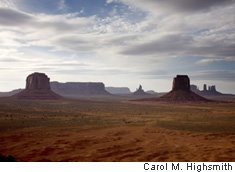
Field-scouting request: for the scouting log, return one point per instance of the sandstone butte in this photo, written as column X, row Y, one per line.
column 37, row 87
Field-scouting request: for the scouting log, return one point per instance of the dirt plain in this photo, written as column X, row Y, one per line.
column 85, row 130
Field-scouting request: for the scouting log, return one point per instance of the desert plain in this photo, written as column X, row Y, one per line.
column 116, row 130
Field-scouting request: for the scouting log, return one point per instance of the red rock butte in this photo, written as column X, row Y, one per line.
column 181, row 82
column 181, row 91
column 37, row 87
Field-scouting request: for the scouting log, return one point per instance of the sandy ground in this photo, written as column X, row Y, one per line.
column 126, row 143
column 79, row 130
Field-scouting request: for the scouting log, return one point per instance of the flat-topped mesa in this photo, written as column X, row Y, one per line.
column 37, row 87
column 37, row 81
column 181, row 82
column 118, row 90
column 76, row 89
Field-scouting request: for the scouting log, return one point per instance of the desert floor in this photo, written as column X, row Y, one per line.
column 83, row 130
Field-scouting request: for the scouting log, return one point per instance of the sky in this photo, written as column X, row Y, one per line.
column 118, row 42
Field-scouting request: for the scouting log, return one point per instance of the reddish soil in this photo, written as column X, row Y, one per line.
column 127, row 143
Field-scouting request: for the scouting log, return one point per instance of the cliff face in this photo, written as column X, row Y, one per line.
column 79, row 88
column 37, row 87
column 181, row 82
column 38, row 81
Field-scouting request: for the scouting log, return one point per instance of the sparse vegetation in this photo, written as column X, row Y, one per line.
column 88, row 124
column 209, row 117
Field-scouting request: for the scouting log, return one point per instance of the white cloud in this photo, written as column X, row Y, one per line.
column 177, row 6
column 110, row 1
column 8, row 4
column 116, row 43
column 62, row 5
column 214, row 60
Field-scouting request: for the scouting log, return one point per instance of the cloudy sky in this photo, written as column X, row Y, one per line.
column 118, row 42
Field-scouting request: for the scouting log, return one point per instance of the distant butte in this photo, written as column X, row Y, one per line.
column 37, row 87
column 180, row 92
column 211, row 91
column 140, row 92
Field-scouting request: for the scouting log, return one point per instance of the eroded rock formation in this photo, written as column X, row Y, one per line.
column 38, row 81
column 37, row 87
column 181, row 91
column 140, row 92
column 207, row 91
